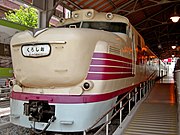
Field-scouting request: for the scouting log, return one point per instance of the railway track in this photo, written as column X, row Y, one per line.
column 4, row 95
column 7, row 128
column 10, row 129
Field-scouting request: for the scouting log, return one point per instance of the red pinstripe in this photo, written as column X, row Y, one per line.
column 109, row 69
column 109, row 63
column 67, row 99
column 102, row 60
column 95, row 76
column 111, row 56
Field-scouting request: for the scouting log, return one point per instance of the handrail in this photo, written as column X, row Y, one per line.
column 5, row 125
column 107, row 122
column 117, row 111
column 103, row 116
column 152, row 75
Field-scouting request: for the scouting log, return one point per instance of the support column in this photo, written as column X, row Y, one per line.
column 45, row 15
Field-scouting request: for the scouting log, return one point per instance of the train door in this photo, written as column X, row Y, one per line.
column 133, row 55
column 132, row 37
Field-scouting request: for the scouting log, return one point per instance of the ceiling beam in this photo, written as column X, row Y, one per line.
column 154, row 1
column 161, row 11
column 112, row 3
column 134, row 7
column 169, row 39
column 152, row 27
column 122, row 6
column 74, row 4
column 150, row 6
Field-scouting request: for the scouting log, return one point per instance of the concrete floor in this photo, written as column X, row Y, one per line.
column 157, row 115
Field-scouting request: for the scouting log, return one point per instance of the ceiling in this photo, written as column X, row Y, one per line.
column 150, row 17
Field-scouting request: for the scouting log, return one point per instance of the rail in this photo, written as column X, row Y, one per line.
column 5, row 125
column 142, row 91
column 4, row 118
column 4, row 93
column 4, row 90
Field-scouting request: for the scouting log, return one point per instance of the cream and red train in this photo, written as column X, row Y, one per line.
column 76, row 71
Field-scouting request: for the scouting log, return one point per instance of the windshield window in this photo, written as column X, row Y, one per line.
column 107, row 26
column 72, row 25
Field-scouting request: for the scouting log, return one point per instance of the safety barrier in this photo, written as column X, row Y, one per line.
column 132, row 98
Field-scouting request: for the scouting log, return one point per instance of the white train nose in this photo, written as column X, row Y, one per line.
column 60, row 56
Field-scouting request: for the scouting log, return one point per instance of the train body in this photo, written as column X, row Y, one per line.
column 177, row 80
column 76, row 71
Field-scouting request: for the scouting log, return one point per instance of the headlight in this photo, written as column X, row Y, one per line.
column 12, row 83
column 109, row 16
column 88, row 85
column 76, row 15
column 89, row 14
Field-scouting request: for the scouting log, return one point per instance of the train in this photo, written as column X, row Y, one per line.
column 66, row 77
column 177, row 80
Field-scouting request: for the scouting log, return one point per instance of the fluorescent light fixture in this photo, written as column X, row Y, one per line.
column 175, row 19
column 173, row 47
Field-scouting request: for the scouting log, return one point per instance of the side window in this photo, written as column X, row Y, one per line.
column 130, row 32
column 139, row 43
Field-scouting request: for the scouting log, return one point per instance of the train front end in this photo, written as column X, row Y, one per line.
column 50, row 67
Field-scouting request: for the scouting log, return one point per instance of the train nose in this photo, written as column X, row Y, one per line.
column 62, row 60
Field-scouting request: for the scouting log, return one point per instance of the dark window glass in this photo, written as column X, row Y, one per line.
column 72, row 25
column 139, row 43
column 107, row 26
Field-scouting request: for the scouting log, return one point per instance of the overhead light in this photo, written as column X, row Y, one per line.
column 175, row 17
column 159, row 46
column 173, row 47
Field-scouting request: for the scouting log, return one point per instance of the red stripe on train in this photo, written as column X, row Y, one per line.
column 111, row 56
column 109, row 63
column 123, row 65
column 103, row 76
column 69, row 99
column 109, row 69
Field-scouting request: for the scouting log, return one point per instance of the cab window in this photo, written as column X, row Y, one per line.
column 72, row 25
column 107, row 26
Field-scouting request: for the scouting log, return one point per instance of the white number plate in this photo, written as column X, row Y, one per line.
column 38, row 50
